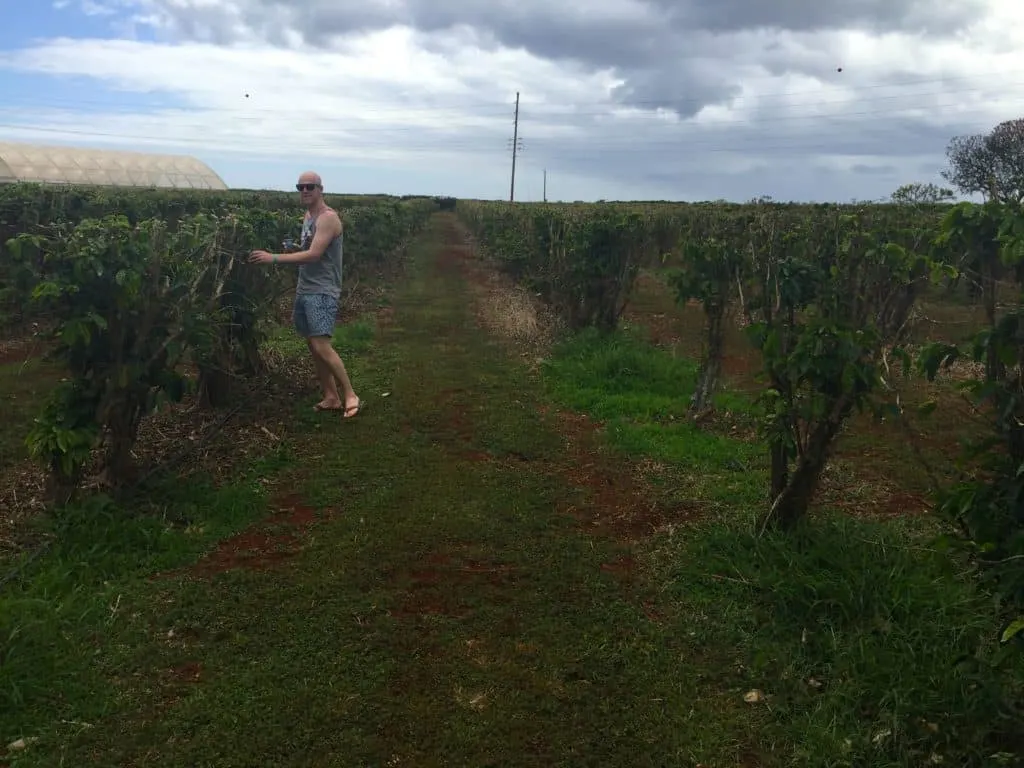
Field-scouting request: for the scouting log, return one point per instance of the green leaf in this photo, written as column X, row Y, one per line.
column 1015, row 628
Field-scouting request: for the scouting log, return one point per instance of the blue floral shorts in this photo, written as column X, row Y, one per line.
column 314, row 314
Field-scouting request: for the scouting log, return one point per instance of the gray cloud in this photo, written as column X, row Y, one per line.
column 924, row 16
column 680, row 55
column 875, row 170
column 626, row 33
column 669, row 52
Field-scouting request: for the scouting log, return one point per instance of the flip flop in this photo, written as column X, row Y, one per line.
column 353, row 410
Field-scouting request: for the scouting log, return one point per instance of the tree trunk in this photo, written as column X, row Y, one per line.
column 253, row 363
column 791, row 504
column 779, row 467
column 215, row 388
column 711, row 364
column 994, row 368
column 122, row 431
column 60, row 488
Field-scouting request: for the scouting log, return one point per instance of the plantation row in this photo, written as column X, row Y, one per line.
column 41, row 208
column 828, row 294
column 136, row 285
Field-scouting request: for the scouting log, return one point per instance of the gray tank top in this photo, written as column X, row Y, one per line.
column 323, row 276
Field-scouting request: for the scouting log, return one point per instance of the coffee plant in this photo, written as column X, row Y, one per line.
column 129, row 299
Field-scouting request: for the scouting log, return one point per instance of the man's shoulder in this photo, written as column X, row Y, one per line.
column 332, row 216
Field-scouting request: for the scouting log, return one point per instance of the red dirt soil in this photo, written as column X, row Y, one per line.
column 186, row 672
column 23, row 345
column 268, row 544
column 435, row 583
column 619, row 502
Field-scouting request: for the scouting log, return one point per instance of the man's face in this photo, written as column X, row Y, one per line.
column 309, row 190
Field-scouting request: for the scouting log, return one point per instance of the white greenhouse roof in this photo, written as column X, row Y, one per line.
column 103, row 167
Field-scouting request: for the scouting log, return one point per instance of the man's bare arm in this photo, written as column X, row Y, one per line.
column 328, row 226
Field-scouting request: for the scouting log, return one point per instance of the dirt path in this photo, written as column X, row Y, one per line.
column 432, row 594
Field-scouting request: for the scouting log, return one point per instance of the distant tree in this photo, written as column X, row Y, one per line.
column 921, row 194
column 990, row 164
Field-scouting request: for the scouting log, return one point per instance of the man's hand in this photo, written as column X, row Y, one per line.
column 260, row 257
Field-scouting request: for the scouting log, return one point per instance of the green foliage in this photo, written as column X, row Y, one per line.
column 709, row 272
column 987, row 503
column 128, row 299
column 866, row 648
column 991, row 164
column 869, row 647
column 825, row 289
column 713, row 271
column 64, row 433
column 826, row 298
column 970, row 235
column 918, row 194
column 34, row 209
column 582, row 262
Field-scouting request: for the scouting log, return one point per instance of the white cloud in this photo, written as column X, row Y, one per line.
column 442, row 102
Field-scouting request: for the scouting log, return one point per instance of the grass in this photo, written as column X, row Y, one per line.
column 642, row 392
column 867, row 649
column 65, row 604
column 442, row 610
column 871, row 649
column 23, row 388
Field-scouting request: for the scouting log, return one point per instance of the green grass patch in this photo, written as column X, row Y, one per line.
column 642, row 393
column 23, row 390
column 63, row 615
column 870, row 650
column 620, row 376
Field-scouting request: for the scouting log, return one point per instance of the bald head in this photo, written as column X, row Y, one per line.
column 311, row 190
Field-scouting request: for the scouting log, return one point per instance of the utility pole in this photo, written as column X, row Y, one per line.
column 545, row 185
column 515, row 139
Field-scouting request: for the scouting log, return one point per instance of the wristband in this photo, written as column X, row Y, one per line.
column 273, row 257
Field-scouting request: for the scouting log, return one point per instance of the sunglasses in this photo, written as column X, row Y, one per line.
column 306, row 187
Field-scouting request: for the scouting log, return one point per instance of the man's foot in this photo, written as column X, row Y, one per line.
column 328, row 405
column 353, row 409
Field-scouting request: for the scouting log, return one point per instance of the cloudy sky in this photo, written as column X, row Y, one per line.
column 620, row 99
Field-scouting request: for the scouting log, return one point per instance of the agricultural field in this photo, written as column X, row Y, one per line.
column 637, row 484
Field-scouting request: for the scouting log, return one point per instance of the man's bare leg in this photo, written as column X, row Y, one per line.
column 326, row 355
column 332, row 400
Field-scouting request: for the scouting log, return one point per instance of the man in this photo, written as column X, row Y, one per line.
column 318, row 291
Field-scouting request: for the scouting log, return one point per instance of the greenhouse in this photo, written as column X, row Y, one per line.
column 103, row 167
